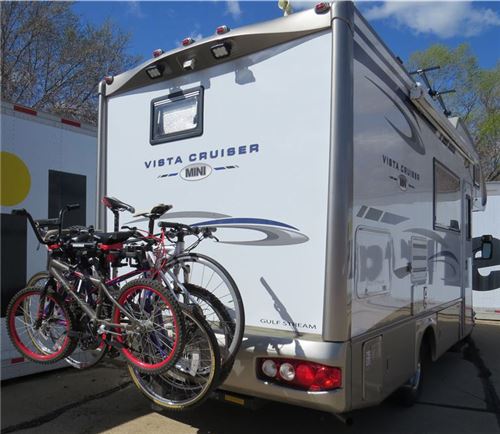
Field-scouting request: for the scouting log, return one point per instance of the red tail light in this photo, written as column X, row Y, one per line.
column 299, row 374
column 321, row 8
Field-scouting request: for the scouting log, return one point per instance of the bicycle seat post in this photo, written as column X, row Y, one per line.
column 116, row 214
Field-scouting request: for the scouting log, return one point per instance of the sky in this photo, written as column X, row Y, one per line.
column 404, row 26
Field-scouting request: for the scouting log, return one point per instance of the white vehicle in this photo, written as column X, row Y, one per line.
column 47, row 162
column 487, row 303
column 341, row 195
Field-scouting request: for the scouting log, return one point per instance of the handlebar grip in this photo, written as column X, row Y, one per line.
column 19, row 212
column 72, row 206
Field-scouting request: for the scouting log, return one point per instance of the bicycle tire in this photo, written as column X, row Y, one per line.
column 41, row 353
column 223, row 326
column 144, row 350
column 223, row 287
column 170, row 390
column 80, row 358
column 38, row 280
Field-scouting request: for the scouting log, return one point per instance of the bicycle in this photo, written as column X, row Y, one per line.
column 193, row 278
column 146, row 322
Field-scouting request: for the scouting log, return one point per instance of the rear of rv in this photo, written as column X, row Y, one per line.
column 235, row 132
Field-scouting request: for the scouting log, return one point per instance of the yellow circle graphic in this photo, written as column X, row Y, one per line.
column 15, row 179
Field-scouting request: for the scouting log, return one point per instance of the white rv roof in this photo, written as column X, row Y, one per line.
column 243, row 41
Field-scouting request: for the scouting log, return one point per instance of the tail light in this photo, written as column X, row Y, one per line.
column 321, row 8
column 299, row 374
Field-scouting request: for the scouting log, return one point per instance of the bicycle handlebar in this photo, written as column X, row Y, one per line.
column 48, row 222
column 23, row 212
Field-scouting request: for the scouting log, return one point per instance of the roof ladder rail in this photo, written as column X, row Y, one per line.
column 434, row 94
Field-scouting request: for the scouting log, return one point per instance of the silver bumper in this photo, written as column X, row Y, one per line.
column 243, row 378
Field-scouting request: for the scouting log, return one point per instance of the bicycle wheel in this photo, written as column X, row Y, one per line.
column 220, row 322
column 38, row 280
column 157, row 342
column 88, row 352
column 195, row 374
column 45, row 340
column 206, row 273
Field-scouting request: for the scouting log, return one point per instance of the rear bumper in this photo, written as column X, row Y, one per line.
column 243, row 378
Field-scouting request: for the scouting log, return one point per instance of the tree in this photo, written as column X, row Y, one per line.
column 477, row 97
column 52, row 61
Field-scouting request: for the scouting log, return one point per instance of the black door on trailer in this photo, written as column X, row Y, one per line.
column 13, row 231
column 66, row 188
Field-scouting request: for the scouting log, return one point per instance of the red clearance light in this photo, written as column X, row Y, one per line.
column 321, row 8
column 222, row 29
column 187, row 41
column 158, row 52
column 109, row 79
column 300, row 374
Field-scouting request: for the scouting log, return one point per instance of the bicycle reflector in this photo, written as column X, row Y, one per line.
column 155, row 71
column 221, row 50
column 299, row 374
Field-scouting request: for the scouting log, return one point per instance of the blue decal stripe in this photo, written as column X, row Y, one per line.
column 229, row 221
column 225, row 167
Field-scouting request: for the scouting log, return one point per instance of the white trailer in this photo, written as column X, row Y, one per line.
column 487, row 303
column 47, row 162
column 342, row 198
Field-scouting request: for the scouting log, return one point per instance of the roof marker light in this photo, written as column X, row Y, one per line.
column 187, row 41
column 221, row 30
column 322, row 7
column 221, row 50
column 158, row 52
column 155, row 71
column 109, row 79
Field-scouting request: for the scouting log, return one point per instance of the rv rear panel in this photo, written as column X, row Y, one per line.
column 258, row 172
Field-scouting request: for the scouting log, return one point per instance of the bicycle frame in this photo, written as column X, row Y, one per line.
column 56, row 268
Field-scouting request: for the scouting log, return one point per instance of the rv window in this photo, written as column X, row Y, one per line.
column 177, row 116
column 447, row 199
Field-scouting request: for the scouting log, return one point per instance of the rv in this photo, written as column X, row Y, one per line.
column 341, row 195
column 47, row 162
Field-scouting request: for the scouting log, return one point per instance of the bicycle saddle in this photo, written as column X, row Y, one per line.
column 156, row 212
column 117, row 205
column 113, row 237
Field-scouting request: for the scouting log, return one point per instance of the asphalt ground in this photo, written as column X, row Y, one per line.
column 461, row 395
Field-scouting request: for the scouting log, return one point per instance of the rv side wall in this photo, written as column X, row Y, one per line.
column 411, row 252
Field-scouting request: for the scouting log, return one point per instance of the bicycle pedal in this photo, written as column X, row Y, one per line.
column 113, row 353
